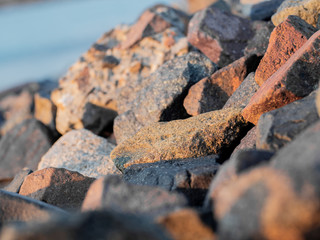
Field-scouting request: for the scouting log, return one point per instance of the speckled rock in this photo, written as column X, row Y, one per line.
column 219, row 35
column 297, row 78
column 57, row 186
column 162, row 98
column 202, row 135
column 284, row 41
column 308, row 10
column 81, row 151
column 277, row 128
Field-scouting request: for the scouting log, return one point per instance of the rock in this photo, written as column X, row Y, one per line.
column 81, row 151
column 155, row 20
column 240, row 162
column 297, row 78
column 92, row 86
column 191, row 177
column 277, row 128
column 14, row 109
column 259, row 43
column 23, row 146
column 162, row 98
column 284, row 41
column 112, row 193
column 242, row 95
column 177, row 222
column 196, row 5
column 91, row 225
column 19, row 178
column 202, row 135
column 318, row 101
column 264, row 9
column 221, row 36
column 212, row 93
column 57, row 186
column 308, row 10
column 248, row 141
column 14, row 207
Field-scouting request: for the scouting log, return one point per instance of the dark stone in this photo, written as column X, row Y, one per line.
column 277, row 128
column 241, row 97
column 16, row 183
column 57, row 186
column 110, row 61
column 248, row 141
column 112, row 193
column 14, row 207
column 162, row 99
column 23, row 147
column 191, row 177
column 264, row 10
column 91, row 225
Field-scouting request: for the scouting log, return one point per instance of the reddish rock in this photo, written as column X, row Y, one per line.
column 57, row 186
column 284, row 41
column 297, row 78
column 212, row 93
column 221, row 36
column 155, row 20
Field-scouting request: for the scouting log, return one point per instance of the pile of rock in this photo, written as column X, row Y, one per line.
column 177, row 127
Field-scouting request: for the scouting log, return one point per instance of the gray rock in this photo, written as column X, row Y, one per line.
column 162, row 99
column 16, row 183
column 81, row 151
column 188, row 176
column 112, row 193
column 277, row 128
column 23, row 146
column 264, row 10
column 248, row 141
column 241, row 97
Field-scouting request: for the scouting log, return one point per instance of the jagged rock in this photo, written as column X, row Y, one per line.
column 277, row 128
column 81, row 151
column 14, row 207
column 248, row 141
column 191, row 177
column 284, row 41
column 57, row 186
column 212, row 93
column 187, row 224
column 23, row 146
column 202, row 135
column 155, row 20
column 262, row 10
column 308, row 10
column 280, row 201
column 162, row 97
column 91, row 82
column 19, row 178
column 297, row 78
column 242, row 95
column 259, row 43
column 221, row 36
column 112, row 193
column 91, row 225
column 240, row 162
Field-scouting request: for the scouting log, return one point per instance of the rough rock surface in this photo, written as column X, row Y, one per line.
column 14, row 207
column 19, row 178
column 162, row 97
column 308, row 10
column 284, row 41
column 91, row 225
column 81, row 151
column 297, row 78
column 212, row 93
column 242, row 95
column 221, row 36
column 277, row 128
column 280, row 201
column 112, row 193
column 23, row 146
column 57, row 186
column 202, row 135
column 248, row 141
column 191, row 177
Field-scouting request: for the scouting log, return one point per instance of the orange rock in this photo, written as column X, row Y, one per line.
column 284, row 41
column 297, row 78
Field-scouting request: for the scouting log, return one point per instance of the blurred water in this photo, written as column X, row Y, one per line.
column 41, row 40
